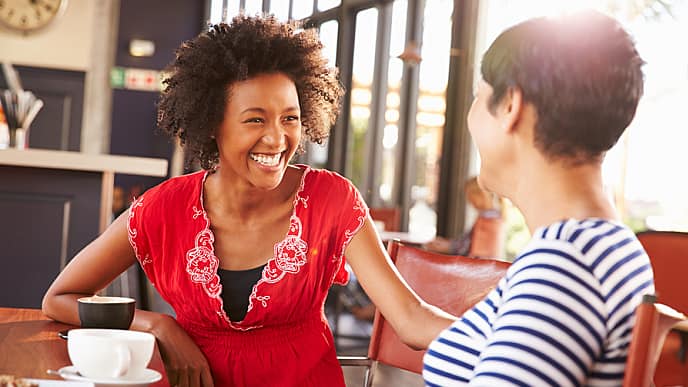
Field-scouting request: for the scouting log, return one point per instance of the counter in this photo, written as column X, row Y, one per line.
column 52, row 203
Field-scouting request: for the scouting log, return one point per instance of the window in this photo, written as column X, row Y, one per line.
column 361, row 95
column 388, row 140
column 633, row 170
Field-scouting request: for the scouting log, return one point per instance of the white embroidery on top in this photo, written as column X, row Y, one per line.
column 201, row 263
column 132, row 233
column 289, row 257
column 349, row 233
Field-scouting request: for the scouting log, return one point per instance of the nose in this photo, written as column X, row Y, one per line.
column 274, row 134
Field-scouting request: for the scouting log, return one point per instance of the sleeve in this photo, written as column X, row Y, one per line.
column 550, row 327
column 137, row 235
column 351, row 212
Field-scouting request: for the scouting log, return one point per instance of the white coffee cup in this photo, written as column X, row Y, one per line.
column 110, row 353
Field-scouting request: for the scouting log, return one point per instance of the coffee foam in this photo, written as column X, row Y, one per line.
column 106, row 300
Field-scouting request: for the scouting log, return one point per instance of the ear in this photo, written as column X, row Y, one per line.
column 512, row 108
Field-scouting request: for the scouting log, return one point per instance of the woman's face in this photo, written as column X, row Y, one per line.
column 261, row 130
column 490, row 138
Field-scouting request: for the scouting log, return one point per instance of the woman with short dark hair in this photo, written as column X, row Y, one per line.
column 556, row 94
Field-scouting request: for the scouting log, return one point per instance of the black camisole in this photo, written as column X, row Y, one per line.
column 236, row 289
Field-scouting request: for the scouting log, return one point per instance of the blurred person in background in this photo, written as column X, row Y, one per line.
column 486, row 237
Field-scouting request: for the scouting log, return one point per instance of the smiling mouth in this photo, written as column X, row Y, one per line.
column 269, row 160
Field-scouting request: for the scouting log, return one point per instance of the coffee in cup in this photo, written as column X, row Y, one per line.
column 110, row 353
column 106, row 312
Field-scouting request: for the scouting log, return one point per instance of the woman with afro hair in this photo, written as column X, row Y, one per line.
column 246, row 249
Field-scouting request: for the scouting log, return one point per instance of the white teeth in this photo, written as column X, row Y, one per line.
column 266, row 160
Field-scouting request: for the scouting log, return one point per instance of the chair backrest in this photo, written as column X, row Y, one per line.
column 668, row 251
column 390, row 216
column 653, row 321
column 453, row 283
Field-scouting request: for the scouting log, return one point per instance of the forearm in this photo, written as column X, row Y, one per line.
column 424, row 324
column 65, row 308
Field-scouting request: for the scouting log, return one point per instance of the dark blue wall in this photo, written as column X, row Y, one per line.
column 167, row 23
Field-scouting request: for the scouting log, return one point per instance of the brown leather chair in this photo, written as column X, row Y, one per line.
column 653, row 323
column 668, row 252
column 453, row 283
column 390, row 217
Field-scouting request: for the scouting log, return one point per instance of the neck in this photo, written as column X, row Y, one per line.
column 245, row 202
column 550, row 191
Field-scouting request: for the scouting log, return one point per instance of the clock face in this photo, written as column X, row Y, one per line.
column 29, row 15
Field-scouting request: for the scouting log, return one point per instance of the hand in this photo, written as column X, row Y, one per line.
column 439, row 245
column 185, row 364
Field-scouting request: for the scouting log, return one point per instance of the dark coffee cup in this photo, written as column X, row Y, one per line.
column 106, row 312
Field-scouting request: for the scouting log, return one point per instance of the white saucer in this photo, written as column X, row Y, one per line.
column 149, row 376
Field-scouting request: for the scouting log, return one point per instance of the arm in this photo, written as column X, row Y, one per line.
column 91, row 270
column 416, row 322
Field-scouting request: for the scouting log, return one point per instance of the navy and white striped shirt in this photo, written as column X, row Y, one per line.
column 562, row 315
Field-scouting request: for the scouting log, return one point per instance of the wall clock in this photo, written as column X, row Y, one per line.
column 29, row 15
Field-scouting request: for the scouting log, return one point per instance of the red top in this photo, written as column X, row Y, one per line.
column 284, row 340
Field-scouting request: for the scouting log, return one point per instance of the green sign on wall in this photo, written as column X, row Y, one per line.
column 117, row 77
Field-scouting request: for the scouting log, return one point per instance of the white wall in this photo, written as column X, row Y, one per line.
column 64, row 44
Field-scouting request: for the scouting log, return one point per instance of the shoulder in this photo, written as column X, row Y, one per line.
column 593, row 252
column 589, row 241
column 328, row 182
column 175, row 188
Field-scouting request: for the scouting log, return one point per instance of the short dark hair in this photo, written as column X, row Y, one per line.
column 581, row 72
column 193, row 102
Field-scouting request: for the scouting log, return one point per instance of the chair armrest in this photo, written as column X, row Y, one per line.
column 354, row 361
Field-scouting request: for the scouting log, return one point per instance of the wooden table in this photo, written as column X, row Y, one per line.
column 405, row 237
column 29, row 346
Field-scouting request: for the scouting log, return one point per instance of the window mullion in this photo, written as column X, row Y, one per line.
column 456, row 144
column 376, row 122
column 339, row 137
column 405, row 173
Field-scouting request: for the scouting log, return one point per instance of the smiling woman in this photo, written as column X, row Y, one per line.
column 246, row 249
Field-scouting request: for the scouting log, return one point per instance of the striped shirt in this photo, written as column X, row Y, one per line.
column 562, row 315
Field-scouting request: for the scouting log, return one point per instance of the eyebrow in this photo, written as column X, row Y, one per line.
column 261, row 110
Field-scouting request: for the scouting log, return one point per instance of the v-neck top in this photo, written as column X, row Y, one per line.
column 237, row 286
column 284, row 338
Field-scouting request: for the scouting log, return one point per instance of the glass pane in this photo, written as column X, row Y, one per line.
column 232, row 9
column 390, row 134
column 317, row 154
column 431, row 106
column 253, row 7
column 633, row 168
column 362, row 77
column 280, row 9
column 655, row 142
column 301, row 9
column 328, row 36
column 216, row 11
column 217, row 14
column 324, row 5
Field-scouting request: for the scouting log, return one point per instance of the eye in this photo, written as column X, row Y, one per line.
column 292, row 118
column 253, row 120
